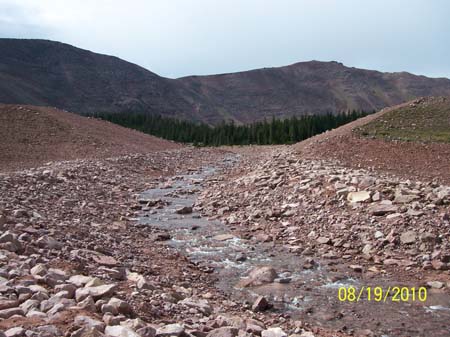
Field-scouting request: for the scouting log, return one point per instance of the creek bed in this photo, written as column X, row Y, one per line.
column 310, row 295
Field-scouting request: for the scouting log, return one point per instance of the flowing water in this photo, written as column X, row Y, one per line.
column 309, row 295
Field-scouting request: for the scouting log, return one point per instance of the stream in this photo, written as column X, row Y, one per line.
column 309, row 295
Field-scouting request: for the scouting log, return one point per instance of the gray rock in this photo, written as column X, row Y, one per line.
column 7, row 313
column 120, row 306
column 225, row 331
column 148, row 331
column 273, row 332
column 408, row 237
column 120, row 331
column 15, row 332
column 435, row 284
column 201, row 305
column 95, row 292
column 381, row 209
column 88, row 322
column 174, row 330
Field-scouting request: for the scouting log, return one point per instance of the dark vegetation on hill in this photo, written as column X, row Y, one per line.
column 275, row 131
column 48, row 73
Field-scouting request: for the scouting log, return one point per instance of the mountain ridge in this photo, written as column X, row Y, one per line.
column 44, row 72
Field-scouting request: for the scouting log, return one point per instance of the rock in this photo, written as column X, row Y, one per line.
column 412, row 212
column 110, row 319
column 408, row 237
column 259, row 276
column 148, row 331
column 88, row 322
column 38, row 270
column 223, row 237
column 201, row 305
column 134, row 324
column 10, row 241
column 356, row 268
column 15, row 332
column 95, row 292
column 393, row 216
column 105, row 260
column 376, row 197
column 144, row 284
column 173, row 330
column 184, row 210
column 7, row 304
column 80, row 280
column 7, row 313
column 435, row 284
column 49, row 243
column 114, row 273
column 29, row 305
column 48, row 331
column 120, row 306
column 404, row 199
column 87, row 332
column 379, row 235
column 380, row 209
column 87, row 304
column 323, row 240
column 119, row 331
column 109, row 309
column 261, row 304
column 360, row 196
column 225, row 331
column 273, row 332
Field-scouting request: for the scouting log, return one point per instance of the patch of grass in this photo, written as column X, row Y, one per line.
column 428, row 120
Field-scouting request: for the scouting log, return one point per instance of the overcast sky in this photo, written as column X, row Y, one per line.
column 175, row 38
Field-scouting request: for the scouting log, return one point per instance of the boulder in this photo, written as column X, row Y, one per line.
column 95, row 292
column 408, row 237
column 261, row 304
column 259, row 276
column 173, row 330
column 273, row 332
column 120, row 331
column 360, row 196
column 225, row 331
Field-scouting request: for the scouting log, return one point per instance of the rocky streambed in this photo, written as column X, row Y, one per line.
column 266, row 275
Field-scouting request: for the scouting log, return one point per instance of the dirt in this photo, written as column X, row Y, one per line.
column 31, row 136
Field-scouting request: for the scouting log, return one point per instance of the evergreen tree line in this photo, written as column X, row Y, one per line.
column 275, row 131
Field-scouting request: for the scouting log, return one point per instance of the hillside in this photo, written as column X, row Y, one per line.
column 40, row 72
column 32, row 136
column 309, row 87
column 50, row 73
column 409, row 140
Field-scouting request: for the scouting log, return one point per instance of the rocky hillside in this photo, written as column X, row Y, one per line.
column 308, row 87
column 408, row 140
column 51, row 73
column 32, row 135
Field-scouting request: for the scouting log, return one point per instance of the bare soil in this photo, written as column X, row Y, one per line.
column 31, row 136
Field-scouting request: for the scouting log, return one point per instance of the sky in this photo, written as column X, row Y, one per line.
column 176, row 38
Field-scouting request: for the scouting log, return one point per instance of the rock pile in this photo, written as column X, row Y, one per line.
column 318, row 207
column 74, row 263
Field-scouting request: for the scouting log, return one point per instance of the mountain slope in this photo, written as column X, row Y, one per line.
column 408, row 140
column 309, row 87
column 31, row 136
column 44, row 72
